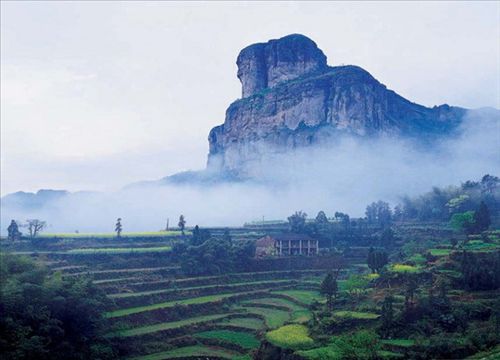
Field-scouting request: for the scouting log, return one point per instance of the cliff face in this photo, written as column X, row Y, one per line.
column 292, row 98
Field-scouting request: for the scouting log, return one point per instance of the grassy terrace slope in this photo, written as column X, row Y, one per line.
column 243, row 339
column 162, row 291
column 93, row 251
column 168, row 304
column 306, row 297
column 196, row 351
column 273, row 317
column 118, row 250
column 247, row 323
column 169, row 325
column 232, row 278
column 112, row 235
column 290, row 336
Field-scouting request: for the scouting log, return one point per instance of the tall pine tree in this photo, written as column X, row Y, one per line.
column 329, row 288
column 482, row 219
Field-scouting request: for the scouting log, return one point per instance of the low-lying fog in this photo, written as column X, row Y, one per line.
column 344, row 178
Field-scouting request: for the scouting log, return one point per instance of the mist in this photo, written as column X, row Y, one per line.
column 345, row 176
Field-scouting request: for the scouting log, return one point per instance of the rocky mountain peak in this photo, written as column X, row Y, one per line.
column 264, row 65
column 292, row 98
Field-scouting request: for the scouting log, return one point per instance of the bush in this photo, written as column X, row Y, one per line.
column 46, row 317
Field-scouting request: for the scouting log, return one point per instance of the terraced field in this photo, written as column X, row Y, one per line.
column 163, row 315
column 158, row 313
column 193, row 351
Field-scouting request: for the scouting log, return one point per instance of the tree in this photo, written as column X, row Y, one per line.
column 387, row 238
column 376, row 260
column 363, row 344
column 35, row 226
column 482, row 219
column 329, row 288
column 182, row 223
column 398, row 213
column 495, row 315
column 489, row 183
column 196, row 237
column 463, row 222
column 13, row 231
column 321, row 218
column 344, row 219
column 47, row 317
column 200, row 236
column 118, row 227
column 227, row 237
column 387, row 316
column 458, row 204
column 480, row 272
column 370, row 260
column 410, row 289
column 297, row 222
column 379, row 213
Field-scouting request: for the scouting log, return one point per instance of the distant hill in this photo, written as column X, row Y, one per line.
column 28, row 200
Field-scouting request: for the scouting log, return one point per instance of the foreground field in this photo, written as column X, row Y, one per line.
column 157, row 310
column 158, row 313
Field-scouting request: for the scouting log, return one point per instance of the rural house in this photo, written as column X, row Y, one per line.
column 286, row 245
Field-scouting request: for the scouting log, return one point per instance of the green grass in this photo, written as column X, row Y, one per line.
column 384, row 354
column 491, row 354
column 249, row 323
column 169, row 325
column 277, row 301
column 440, row 252
column 479, row 245
column 293, row 336
column 112, row 235
column 304, row 296
column 332, row 353
column 117, row 250
column 187, row 351
column 301, row 316
column 403, row 268
column 418, row 259
column 356, row 315
column 321, row 353
column 106, row 281
column 274, row 318
column 168, row 304
column 243, row 339
column 399, row 342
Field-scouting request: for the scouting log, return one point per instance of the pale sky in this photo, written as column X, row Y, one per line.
column 97, row 95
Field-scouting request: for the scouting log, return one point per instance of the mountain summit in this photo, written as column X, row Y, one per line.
column 291, row 98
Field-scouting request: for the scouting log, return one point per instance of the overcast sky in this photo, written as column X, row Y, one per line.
column 97, row 95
